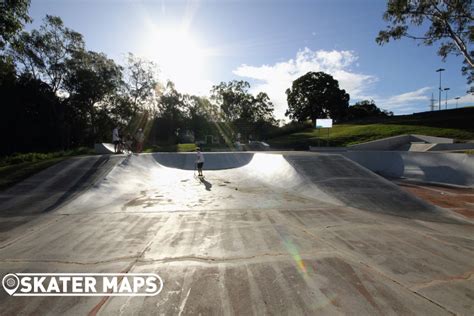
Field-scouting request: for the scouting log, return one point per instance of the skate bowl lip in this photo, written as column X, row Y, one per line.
column 216, row 160
column 212, row 160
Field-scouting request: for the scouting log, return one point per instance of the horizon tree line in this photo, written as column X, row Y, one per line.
column 57, row 95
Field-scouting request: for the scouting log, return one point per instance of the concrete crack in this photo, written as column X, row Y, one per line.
column 464, row 277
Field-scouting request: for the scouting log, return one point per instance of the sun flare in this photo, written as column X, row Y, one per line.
column 179, row 56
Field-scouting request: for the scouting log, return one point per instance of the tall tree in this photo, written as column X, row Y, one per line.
column 316, row 95
column 171, row 113
column 44, row 53
column 141, row 80
column 232, row 98
column 449, row 21
column 14, row 14
column 241, row 108
column 91, row 79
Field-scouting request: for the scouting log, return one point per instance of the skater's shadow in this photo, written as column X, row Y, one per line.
column 206, row 183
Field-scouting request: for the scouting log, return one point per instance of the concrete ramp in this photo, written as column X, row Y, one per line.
column 360, row 188
column 168, row 182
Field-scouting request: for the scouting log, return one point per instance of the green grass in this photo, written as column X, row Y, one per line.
column 455, row 124
column 19, row 166
column 19, row 158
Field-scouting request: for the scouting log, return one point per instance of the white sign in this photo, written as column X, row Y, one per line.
column 323, row 123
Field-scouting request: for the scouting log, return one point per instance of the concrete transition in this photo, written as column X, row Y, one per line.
column 261, row 233
column 411, row 142
column 441, row 168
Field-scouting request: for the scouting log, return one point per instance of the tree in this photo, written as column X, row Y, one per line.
column 199, row 114
column 31, row 116
column 91, row 79
column 241, row 108
column 141, row 81
column 449, row 21
column 44, row 53
column 232, row 98
column 316, row 95
column 366, row 109
column 14, row 13
column 171, row 114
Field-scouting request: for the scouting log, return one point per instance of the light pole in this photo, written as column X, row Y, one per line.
column 440, row 70
column 457, row 98
column 446, row 104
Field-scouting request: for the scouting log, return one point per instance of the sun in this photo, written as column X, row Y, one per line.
column 179, row 55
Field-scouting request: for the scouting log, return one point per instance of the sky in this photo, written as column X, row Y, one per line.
column 268, row 43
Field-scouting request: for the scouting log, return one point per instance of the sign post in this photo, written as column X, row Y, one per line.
column 324, row 123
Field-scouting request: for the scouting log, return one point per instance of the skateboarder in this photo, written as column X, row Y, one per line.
column 199, row 161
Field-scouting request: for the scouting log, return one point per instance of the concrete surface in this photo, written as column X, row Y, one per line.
column 289, row 233
column 443, row 168
column 104, row 148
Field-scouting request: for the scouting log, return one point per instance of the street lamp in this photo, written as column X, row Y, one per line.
column 457, row 98
column 440, row 70
column 446, row 104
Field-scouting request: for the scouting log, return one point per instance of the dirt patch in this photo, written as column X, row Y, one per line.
column 459, row 200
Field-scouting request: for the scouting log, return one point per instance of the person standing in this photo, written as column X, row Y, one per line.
column 116, row 139
column 199, row 161
column 139, row 138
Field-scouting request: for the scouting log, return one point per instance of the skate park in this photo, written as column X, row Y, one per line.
column 236, row 157
column 262, row 232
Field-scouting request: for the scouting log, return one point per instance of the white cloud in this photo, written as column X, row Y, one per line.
column 275, row 79
column 405, row 103
column 467, row 99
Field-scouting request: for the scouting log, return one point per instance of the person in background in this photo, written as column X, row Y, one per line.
column 127, row 142
column 139, row 138
column 116, row 140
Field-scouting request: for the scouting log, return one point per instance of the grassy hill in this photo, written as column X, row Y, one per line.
column 456, row 123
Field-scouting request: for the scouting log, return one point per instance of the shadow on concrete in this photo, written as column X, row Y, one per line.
column 444, row 174
column 50, row 189
column 206, row 183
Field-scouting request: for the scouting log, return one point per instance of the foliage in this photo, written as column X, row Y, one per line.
column 449, row 22
column 141, row 81
column 14, row 13
column 44, row 53
column 365, row 109
column 247, row 114
column 32, row 115
column 316, row 95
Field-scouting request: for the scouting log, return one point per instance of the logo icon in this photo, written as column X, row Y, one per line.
column 10, row 283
